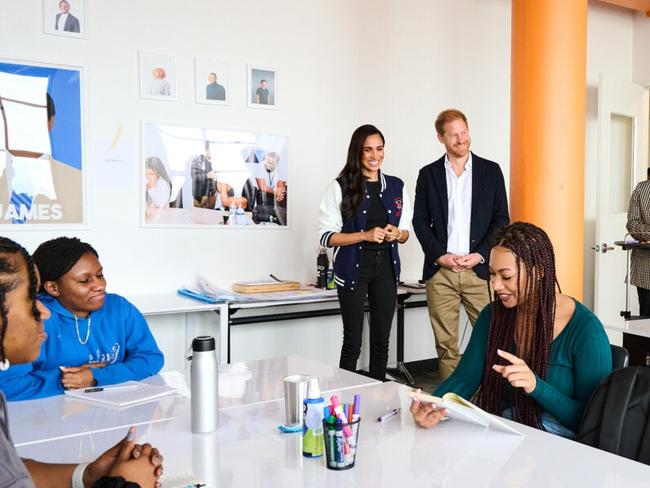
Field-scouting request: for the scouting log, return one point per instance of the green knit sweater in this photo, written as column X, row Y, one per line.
column 580, row 359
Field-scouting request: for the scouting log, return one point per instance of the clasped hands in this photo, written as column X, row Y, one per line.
column 79, row 376
column 141, row 464
column 518, row 374
column 458, row 263
column 389, row 233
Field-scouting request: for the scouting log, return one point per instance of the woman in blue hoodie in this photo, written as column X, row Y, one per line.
column 94, row 337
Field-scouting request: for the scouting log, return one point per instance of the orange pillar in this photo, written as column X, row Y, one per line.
column 547, row 127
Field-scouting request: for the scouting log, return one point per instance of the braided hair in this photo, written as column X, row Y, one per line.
column 526, row 328
column 56, row 257
column 9, row 281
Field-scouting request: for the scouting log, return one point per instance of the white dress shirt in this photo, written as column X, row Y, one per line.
column 459, row 203
column 61, row 23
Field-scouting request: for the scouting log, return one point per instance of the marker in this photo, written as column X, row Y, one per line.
column 390, row 414
column 118, row 387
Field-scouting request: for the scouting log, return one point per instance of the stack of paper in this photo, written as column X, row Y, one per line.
column 122, row 394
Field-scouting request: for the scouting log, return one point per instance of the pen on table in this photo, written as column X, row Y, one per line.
column 100, row 388
column 390, row 414
column 276, row 278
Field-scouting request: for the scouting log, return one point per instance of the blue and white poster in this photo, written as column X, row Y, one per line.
column 41, row 147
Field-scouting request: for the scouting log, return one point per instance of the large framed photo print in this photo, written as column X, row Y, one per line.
column 41, row 146
column 262, row 87
column 197, row 177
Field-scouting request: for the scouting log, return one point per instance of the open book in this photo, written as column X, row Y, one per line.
column 122, row 394
column 460, row 409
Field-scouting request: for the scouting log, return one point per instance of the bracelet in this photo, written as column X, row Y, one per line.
column 78, row 475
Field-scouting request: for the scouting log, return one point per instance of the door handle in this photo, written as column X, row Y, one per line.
column 604, row 248
column 595, row 248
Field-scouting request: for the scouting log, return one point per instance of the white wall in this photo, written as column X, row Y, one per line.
column 340, row 64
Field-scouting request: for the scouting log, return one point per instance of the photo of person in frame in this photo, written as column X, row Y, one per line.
column 213, row 90
column 262, row 88
column 64, row 20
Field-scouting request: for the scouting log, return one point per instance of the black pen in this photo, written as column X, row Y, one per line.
column 116, row 387
column 276, row 279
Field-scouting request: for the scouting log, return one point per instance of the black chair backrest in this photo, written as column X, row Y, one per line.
column 617, row 417
column 620, row 357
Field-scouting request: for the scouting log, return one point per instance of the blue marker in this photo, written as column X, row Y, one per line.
column 340, row 450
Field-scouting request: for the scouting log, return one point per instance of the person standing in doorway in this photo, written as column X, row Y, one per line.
column 460, row 202
column 364, row 215
column 638, row 225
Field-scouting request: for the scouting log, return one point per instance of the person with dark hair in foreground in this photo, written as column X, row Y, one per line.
column 96, row 338
column 21, row 335
column 535, row 355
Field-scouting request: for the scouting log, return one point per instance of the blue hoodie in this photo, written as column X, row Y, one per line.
column 119, row 336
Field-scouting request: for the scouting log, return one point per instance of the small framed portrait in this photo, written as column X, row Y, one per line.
column 157, row 76
column 262, row 87
column 65, row 18
column 212, row 83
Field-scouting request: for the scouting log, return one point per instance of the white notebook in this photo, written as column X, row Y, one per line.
column 122, row 394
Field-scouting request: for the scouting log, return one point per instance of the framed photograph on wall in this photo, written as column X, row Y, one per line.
column 197, row 177
column 65, row 18
column 211, row 81
column 157, row 77
column 262, row 87
column 41, row 146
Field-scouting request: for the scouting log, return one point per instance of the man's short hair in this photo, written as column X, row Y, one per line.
column 446, row 116
column 263, row 81
column 64, row 1
column 273, row 155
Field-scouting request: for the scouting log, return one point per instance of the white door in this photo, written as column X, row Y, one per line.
column 622, row 129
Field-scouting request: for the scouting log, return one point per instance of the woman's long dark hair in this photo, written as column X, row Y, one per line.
column 8, row 281
column 527, row 328
column 56, row 257
column 350, row 176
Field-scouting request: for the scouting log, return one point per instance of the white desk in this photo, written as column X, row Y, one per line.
column 245, row 383
column 248, row 451
column 640, row 327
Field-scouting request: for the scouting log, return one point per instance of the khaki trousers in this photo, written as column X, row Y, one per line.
column 446, row 290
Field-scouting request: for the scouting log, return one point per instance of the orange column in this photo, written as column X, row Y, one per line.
column 547, row 131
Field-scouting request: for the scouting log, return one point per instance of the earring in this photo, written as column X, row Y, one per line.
column 4, row 365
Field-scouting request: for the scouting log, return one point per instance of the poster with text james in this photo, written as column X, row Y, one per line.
column 41, row 162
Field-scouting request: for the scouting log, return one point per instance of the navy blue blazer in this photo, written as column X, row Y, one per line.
column 430, row 211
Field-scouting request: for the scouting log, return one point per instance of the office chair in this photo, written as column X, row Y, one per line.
column 620, row 357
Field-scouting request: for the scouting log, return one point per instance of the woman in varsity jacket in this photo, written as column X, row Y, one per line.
column 365, row 215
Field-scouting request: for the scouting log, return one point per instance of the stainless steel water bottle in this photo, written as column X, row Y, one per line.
column 205, row 385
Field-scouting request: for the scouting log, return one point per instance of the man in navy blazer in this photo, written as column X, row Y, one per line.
column 65, row 21
column 460, row 201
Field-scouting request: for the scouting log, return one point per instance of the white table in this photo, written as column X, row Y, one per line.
column 248, row 451
column 245, row 383
column 640, row 327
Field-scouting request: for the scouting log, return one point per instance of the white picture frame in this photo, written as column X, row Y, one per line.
column 262, row 78
column 207, row 91
column 75, row 23
column 157, row 76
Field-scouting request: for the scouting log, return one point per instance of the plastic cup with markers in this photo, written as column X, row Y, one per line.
column 341, row 434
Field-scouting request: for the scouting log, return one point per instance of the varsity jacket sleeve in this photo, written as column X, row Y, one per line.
column 330, row 220
column 142, row 358
column 407, row 211
column 637, row 228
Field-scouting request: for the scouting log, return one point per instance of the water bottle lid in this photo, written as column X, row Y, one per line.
column 203, row 343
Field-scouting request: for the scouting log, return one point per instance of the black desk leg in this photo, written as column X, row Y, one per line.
column 402, row 371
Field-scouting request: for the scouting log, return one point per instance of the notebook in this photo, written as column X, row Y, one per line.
column 122, row 394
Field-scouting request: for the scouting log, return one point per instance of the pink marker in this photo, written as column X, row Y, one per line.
column 337, row 410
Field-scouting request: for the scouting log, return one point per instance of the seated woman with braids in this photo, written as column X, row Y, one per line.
column 21, row 335
column 535, row 355
column 95, row 338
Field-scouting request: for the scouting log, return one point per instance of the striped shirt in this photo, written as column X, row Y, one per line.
column 638, row 225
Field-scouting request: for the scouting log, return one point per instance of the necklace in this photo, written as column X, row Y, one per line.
column 76, row 325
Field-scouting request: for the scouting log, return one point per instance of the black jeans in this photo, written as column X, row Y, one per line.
column 376, row 280
column 644, row 301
